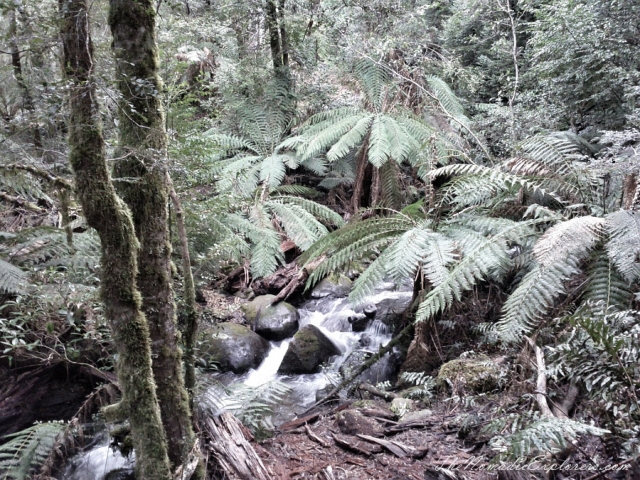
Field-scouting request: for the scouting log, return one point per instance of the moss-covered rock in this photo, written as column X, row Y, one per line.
column 308, row 349
column 335, row 286
column 273, row 322
column 475, row 374
column 232, row 347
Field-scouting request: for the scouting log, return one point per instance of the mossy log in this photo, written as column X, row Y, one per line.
column 106, row 213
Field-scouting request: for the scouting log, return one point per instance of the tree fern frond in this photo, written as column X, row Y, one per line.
column 272, row 170
column 546, row 435
column 328, row 136
column 392, row 193
column 299, row 225
column 296, row 190
column 351, row 139
column 316, row 209
column 533, row 298
column 624, row 243
column 482, row 257
column 12, row 279
column 606, row 285
column 379, row 149
column 373, row 78
column 554, row 151
column 230, row 142
column 26, row 450
column 447, row 99
column 316, row 165
column 574, row 237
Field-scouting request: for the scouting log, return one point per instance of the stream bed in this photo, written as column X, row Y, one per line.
column 331, row 316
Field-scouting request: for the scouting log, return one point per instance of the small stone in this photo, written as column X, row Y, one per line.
column 402, row 406
column 417, row 416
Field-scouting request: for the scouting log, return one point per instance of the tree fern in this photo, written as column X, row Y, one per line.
column 26, row 450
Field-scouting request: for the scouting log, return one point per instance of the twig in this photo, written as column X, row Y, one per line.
column 541, row 385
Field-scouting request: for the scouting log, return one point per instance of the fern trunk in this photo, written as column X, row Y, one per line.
column 143, row 145
column 106, row 213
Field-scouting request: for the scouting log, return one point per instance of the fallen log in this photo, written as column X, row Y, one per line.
column 388, row 396
column 231, row 450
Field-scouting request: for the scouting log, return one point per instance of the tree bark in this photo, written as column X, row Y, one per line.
column 143, row 145
column 106, row 213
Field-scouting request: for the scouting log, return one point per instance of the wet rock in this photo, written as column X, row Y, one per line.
column 120, row 474
column 233, row 347
column 273, row 322
column 335, row 286
column 352, row 422
column 308, row 349
column 381, row 371
column 474, row 374
column 359, row 322
column 392, row 306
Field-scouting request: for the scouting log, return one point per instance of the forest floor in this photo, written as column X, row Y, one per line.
column 329, row 446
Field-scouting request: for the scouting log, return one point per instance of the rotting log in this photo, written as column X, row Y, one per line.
column 231, row 450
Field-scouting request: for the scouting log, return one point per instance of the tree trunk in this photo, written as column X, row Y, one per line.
column 143, row 145
column 362, row 162
column 191, row 313
column 630, row 192
column 16, row 63
column 106, row 213
column 284, row 38
column 274, row 36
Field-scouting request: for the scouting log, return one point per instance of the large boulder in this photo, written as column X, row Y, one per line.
column 390, row 305
column 472, row 374
column 233, row 347
column 335, row 286
column 308, row 349
column 273, row 322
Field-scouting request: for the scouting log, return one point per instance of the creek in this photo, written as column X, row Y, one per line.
column 331, row 316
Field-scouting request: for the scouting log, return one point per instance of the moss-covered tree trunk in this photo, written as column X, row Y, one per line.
column 110, row 217
column 143, row 185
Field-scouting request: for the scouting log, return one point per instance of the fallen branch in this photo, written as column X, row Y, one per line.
column 21, row 203
column 315, row 437
column 355, row 446
column 388, row 396
column 541, row 384
column 399, row 450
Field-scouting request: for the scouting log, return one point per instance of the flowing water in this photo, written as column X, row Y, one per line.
column 331, row 316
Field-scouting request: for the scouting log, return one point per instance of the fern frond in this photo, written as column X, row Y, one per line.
column 328, row 136
column 554, row 151
column 12, row 279
column 373, row 78
column 533, row 298
column 574, row 237
column 316, row 209
column 351, row 139
column 606, row 285
column 547, row 435
column 624, row 243
column 26, row 450
column 482, row 258
column 447, row 99
column 379, row 149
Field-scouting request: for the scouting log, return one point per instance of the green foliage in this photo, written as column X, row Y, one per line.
column 24, row 451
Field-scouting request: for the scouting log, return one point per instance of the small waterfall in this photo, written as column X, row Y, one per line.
column 99, row 461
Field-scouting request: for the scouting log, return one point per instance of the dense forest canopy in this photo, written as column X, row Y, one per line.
column 162, row 162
